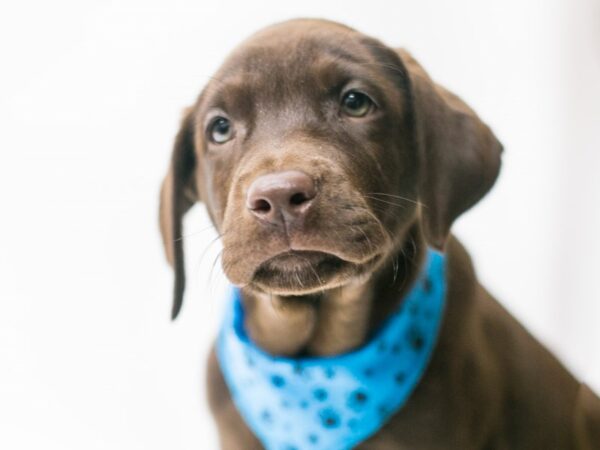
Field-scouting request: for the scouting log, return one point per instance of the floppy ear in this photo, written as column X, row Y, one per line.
column 177, row 195
column 459, row 155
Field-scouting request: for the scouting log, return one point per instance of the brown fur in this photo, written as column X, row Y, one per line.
column 389, row 184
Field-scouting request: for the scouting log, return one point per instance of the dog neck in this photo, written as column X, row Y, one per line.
column 340, row 319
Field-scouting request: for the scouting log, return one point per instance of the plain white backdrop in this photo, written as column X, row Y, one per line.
column 90, row 98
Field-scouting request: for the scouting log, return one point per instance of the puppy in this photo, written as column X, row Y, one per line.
column 333, row 167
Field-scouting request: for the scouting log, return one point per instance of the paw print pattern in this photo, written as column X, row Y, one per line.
column 427, row 285
column 329, row 373
column 336, row 402
column 415, row 338
column 329, row 418
column 353, row 424
column 383, row 410
column 277, row 381
column 266, row 416
column 313, row 439
column 400, row 377
column 358, row 400
column 320, row 394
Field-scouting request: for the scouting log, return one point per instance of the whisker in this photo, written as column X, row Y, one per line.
column 385, row 201
column 365, row 235
column 399, row 197
column 386, row 233
column 209, row 245
column 313, row 270
column 404, row 278
column 211, row 273
column 395, row 268
column 298, row 279
column 193, row 233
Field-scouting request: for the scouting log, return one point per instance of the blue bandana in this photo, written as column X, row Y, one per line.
column 334, row 403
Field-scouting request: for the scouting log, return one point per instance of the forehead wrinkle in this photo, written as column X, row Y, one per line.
column 332, row 72
column 233, row 94
column 267, row 77
column 345, row 52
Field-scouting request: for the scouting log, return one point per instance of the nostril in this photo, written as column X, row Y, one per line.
column 261, row 205
column 298, row 198
column 280, row 196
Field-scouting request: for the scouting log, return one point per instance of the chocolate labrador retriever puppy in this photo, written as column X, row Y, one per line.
column 332, row 166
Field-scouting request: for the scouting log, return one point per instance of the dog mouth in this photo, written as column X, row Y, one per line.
column 302, row 272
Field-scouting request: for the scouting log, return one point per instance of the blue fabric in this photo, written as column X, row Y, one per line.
column 334, row 403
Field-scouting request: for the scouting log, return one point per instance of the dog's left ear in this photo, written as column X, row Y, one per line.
column 459, row 155
column 177, row 195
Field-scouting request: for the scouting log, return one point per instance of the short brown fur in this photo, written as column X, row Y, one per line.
column 389, row 184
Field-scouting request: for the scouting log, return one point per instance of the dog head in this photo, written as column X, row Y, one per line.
column 315, row 148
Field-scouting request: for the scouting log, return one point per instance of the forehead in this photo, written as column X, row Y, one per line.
column 291, row 45
column 297, row 59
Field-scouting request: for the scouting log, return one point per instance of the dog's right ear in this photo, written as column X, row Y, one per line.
column 460, row 155
column 177, row 195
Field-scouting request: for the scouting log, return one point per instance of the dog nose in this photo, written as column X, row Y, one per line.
column 281, row 197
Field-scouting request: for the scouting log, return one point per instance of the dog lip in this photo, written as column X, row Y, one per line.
column 332, row 252
column 294, row 259
column 295, row 272
column 314, row 265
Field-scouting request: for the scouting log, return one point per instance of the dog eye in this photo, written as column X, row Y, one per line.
column 220, row 130
column 356, row 104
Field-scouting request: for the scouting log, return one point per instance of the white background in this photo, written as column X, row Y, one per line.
column 90, row 98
